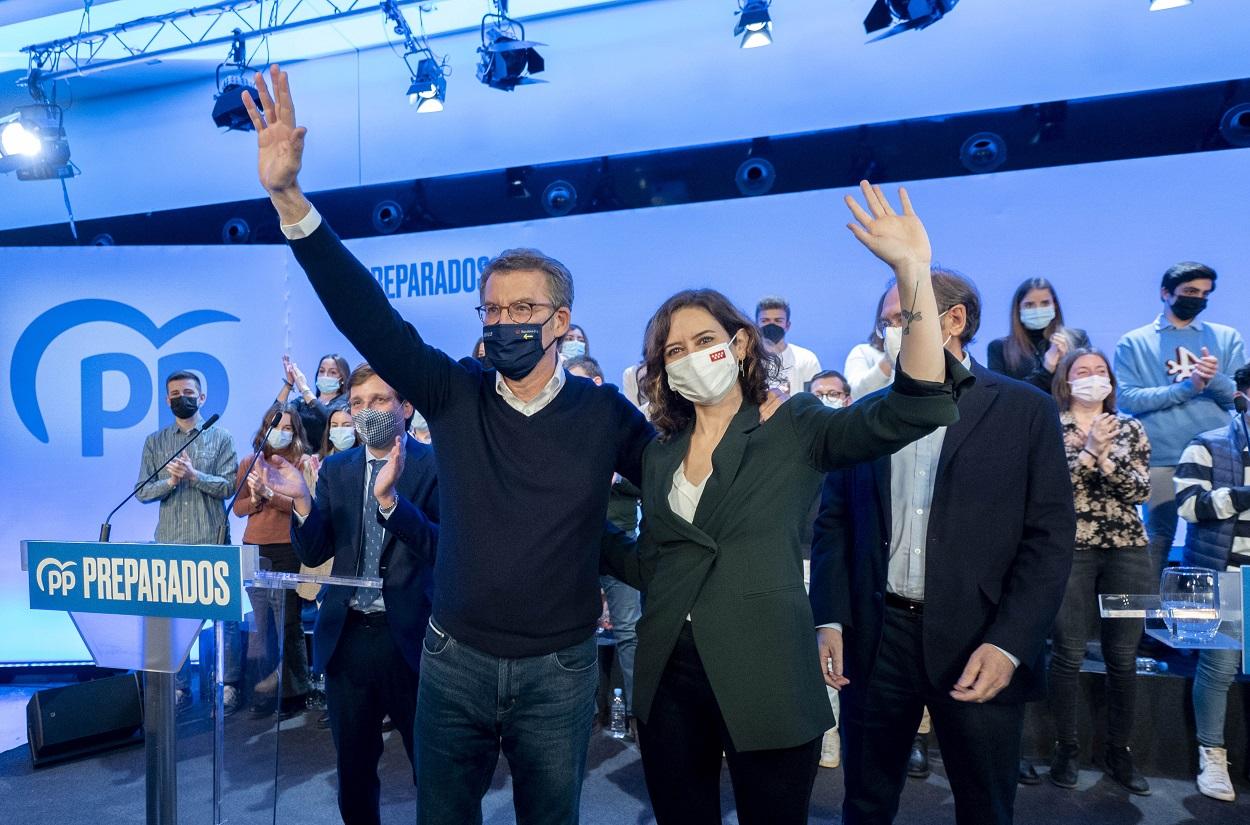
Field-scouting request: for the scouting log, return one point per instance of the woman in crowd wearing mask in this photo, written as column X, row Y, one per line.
column 867, row 367
column 314, row 408
column 1109, row 458
column 1038, row 338
column 340, row 436
column 725, row 644
column 269, row 526
column 574, row 343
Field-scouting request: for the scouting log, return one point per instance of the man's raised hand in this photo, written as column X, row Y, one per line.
column 280, row 142
column 897, row 239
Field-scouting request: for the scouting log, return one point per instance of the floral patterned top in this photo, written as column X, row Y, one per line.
column 1106, row 504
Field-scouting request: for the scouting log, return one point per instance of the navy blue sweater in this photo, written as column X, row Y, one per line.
column 523, row 499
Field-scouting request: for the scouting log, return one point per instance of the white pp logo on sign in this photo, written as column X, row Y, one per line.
column 59, row 580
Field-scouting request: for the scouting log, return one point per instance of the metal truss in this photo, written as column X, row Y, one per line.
column 151, row 38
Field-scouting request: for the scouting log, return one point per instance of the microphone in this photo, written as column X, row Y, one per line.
column 223, row 531
column 1239, row 404
column 106, row 529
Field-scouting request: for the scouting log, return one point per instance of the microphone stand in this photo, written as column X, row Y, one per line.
column 106, row 529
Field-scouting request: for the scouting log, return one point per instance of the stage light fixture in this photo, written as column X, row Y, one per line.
column 228, row 110
column 755, row 26
column 983, row 152
column 755, row 176
column 1163, row 5
column 1235, row 125
column 559, row 198
column 428, row 89
column 904, row 15
column 507, row 59
column 33, row 144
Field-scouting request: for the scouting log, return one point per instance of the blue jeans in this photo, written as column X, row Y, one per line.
column 537, row 709
column 1216, row 671
column 625, row 608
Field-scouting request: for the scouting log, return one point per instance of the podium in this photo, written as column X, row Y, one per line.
column 141, row 607
column 1222, row 624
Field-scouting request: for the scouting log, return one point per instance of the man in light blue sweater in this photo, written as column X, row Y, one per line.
column 1175, row 376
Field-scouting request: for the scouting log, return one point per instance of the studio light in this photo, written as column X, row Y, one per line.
column 1163, row 5
column 33, row 144
column 898, row 16
column 755, row 26
column 428, row 89
column 228, row 110
column 507, row 59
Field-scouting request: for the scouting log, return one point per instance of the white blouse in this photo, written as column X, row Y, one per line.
column 683, row 497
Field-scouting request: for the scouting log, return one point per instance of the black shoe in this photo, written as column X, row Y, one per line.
column 1118, row 762
column 323, row 722
column 388, row 725
column 1063, row 766
column 1027, row 775
column 918, row 762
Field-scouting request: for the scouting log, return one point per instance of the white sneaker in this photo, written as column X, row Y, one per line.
column 831, row 749
column 1213, row 778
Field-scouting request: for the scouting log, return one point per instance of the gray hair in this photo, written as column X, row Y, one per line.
column 951, row 288
column 559, row 279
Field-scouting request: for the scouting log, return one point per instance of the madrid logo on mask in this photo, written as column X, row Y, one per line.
column 143, row 385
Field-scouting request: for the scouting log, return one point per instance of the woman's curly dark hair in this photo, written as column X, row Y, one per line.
column 669, row 411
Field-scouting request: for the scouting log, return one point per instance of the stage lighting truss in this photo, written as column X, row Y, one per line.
column 904, row 15
column 755, row 25
column 33, row 144
column 228, row 110
column 427, row 89
column 507, row 59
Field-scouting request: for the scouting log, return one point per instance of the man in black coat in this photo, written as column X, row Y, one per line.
column 366, row 641
column 943, row 567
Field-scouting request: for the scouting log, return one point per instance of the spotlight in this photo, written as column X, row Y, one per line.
column 228, row 108
column 905, row 15
column 387, row 217
column 559, row 198
column 32, row 143
column 983, row 152
column 1163, row 5
column 429, row 86
column 755, row 176
column 1235, row 125
column 508, row 59
column 235, row 230
column 755, row 26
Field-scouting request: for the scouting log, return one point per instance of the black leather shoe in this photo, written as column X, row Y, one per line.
column 1063, row 766
column 918, row 762
column 323, row 722
column 1028, row 775
column 388, row 724
column 1119, row 766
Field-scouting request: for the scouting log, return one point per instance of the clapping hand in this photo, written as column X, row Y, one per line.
column 181, row 470
column 284, row 478
column 388, row 476
column 279, row 141
column 897, row 239
column 1208, row 367
column 1101, row 433
column 1054, row 354
column 295, row 376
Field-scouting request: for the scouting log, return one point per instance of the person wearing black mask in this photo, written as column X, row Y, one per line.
column 524, row 455
column 192, row 490
column 1175, row 376
column 798, row 364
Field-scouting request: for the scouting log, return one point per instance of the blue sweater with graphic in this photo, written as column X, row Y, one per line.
column 1153, row 367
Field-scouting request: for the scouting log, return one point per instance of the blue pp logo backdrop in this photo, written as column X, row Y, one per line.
column 144, row 386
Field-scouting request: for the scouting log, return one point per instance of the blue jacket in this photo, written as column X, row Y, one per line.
column 1209, row 537
column 334, row 527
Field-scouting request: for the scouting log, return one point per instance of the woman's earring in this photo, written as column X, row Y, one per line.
column 741, row 368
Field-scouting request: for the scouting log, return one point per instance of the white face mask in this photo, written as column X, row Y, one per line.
column 893, row 343
column 280, row 439
column 573, row 349
column 1036, row 318
column 833, row 402
column 1091, row 388
column 343, row 438
column 327, row 385
column 704, row 377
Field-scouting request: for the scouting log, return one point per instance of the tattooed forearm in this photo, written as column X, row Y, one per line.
column 908, row 317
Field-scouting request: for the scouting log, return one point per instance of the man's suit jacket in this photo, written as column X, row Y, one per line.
column 999, row 546
column 738, row 568
column 334, row 527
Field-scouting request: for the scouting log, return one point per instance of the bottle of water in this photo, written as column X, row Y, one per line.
column 618, row 715
column 1145, row 664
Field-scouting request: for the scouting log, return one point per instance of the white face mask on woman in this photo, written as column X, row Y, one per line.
column 1091, row 388
column 343, row 438
column 704, row 377
column 280, row 439
column 1036, row 318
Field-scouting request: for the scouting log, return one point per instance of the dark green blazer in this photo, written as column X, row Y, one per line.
column 737, row 570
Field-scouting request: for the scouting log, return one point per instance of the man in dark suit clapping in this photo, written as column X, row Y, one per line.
column 942, row 567
column 375, row 512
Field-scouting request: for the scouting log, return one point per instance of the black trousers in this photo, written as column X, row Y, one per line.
column 681, row 745
column 366, row 679
column 980, row 743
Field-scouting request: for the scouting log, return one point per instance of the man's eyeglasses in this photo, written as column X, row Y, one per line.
column 832, row 394
column 519, row 312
